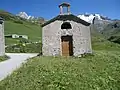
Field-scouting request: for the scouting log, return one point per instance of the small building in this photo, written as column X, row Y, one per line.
column 16, row 36
column 12, row 36
column 66, row 35
column 23, row 36
column 2, row 41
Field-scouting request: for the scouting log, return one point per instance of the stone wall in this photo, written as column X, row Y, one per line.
column 52, row 38
column 2, row 42
column 81, row 39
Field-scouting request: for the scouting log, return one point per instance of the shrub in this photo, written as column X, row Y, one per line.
column 25, row 48
column 17, row 21
column 2, row 58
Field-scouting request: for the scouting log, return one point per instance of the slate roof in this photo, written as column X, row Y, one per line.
column 64, row 4
column 70, row 17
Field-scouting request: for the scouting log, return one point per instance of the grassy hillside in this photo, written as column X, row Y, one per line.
column 7, row 16
column 112, row 31
column 17, row 25
column 32, row 31
column 97, row 72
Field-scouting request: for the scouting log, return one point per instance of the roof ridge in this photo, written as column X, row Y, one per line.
column 67, row 17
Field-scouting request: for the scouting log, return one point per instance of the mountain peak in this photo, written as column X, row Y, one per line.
column 90, row 17
column 24, row 15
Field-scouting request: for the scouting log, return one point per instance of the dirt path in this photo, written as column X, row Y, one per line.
column 16, row 59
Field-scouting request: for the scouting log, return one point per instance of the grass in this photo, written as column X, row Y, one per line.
column 3, row 58
column 106, row 45
column 100, row 71
column 10, row 41
column 28, row 48
column 17, row 25
column 32, row 31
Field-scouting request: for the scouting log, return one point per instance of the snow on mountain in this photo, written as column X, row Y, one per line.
column 89, row 17
column 33, row 19
column 25, row 15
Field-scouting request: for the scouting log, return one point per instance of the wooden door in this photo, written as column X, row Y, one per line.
column 67, row 49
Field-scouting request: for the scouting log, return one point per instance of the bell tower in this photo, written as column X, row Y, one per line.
column 64, row 8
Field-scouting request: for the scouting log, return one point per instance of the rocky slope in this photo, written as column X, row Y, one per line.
column 110, row 29
column 98, row 20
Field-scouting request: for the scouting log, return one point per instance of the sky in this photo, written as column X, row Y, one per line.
column 49, row 8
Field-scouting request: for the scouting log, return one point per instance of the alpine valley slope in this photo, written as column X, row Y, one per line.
column 16, row 25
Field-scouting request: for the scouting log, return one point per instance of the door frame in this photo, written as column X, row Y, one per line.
column 70, row 39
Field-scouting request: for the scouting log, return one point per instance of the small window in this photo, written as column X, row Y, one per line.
column 66, row 25
column 20, row 36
